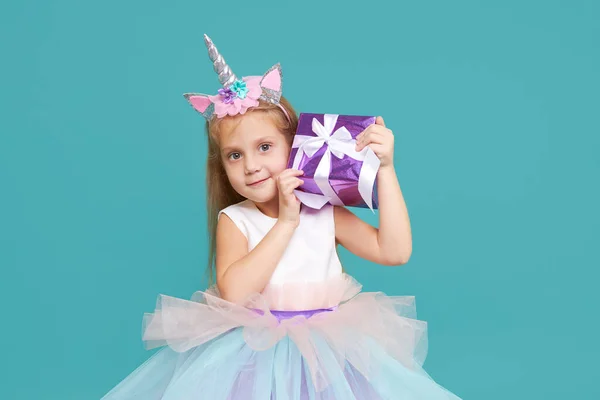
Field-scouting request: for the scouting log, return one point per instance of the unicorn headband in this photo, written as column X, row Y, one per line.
column 237, row 95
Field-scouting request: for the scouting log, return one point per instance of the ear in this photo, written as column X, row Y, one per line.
column 201, row 103
column 271, row 84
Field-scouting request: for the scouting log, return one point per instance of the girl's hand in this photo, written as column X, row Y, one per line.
column 289, row 205
column 380, row 139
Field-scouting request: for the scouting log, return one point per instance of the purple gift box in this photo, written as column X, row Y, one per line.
column 334, row 173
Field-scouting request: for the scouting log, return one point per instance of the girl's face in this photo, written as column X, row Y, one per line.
column 254, row 152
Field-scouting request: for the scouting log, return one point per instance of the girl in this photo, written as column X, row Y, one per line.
column 283, row 320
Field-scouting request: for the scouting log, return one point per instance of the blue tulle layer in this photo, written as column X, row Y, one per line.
column 227, row 368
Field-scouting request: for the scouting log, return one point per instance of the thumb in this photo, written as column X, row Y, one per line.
column 379, row 121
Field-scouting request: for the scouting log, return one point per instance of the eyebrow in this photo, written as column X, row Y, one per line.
column 261, row 139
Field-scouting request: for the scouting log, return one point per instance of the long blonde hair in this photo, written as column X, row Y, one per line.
column 220, row 193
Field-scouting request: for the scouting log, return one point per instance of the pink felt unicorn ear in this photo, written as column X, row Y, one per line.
column 201, row 103
column 271, row 84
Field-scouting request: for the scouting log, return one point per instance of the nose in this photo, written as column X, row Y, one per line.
column 251, row 164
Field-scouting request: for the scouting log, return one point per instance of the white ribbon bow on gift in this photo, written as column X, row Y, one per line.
column 338, row 143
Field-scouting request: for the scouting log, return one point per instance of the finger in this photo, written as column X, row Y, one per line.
column 377, row 148
column 372, row 137
column 373, row 128
column 297, row 183
column 373, row 144
column 291, row 172
column 290, row 181
column 287, row 179
column 288, row 173
column 379, row 129
column 364, row 132
column 379, row 121
column 289, row 187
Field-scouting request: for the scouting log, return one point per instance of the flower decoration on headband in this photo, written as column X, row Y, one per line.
column 240, row 88
column 237, row 98
column 237, row 95
column 227, row 95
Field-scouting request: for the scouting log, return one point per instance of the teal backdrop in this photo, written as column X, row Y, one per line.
column 494, row 106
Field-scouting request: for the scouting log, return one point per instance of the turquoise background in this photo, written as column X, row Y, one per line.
column 494, row 106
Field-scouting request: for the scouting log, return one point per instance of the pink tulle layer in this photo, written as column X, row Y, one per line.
column 359, row 320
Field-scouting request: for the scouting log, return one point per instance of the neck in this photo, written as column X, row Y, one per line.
column 269, row 208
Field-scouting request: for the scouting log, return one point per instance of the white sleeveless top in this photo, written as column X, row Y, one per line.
column 311, row 254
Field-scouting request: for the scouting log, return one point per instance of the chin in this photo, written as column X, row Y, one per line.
column 263, row 195
column 260, row 199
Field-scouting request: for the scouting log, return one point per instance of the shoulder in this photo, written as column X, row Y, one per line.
column 348, row 224
column 242, row 205
column 342, row 215
column 357, row 236
column 234, row 218
column 342, row 220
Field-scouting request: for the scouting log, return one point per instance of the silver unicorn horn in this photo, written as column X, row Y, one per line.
column 226, row 76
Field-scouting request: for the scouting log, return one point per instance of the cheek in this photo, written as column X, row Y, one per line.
column 279, row 163
column 232, row 175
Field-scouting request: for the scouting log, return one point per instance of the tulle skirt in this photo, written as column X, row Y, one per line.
column 295, row 341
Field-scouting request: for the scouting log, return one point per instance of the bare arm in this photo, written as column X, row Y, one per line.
column 391, row 244
column 239, row 272
column 394, row 235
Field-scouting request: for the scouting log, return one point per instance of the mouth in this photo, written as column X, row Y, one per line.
column 258, row 182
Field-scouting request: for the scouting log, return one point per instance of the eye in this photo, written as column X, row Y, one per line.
column 265, row 146
column 234, row 156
